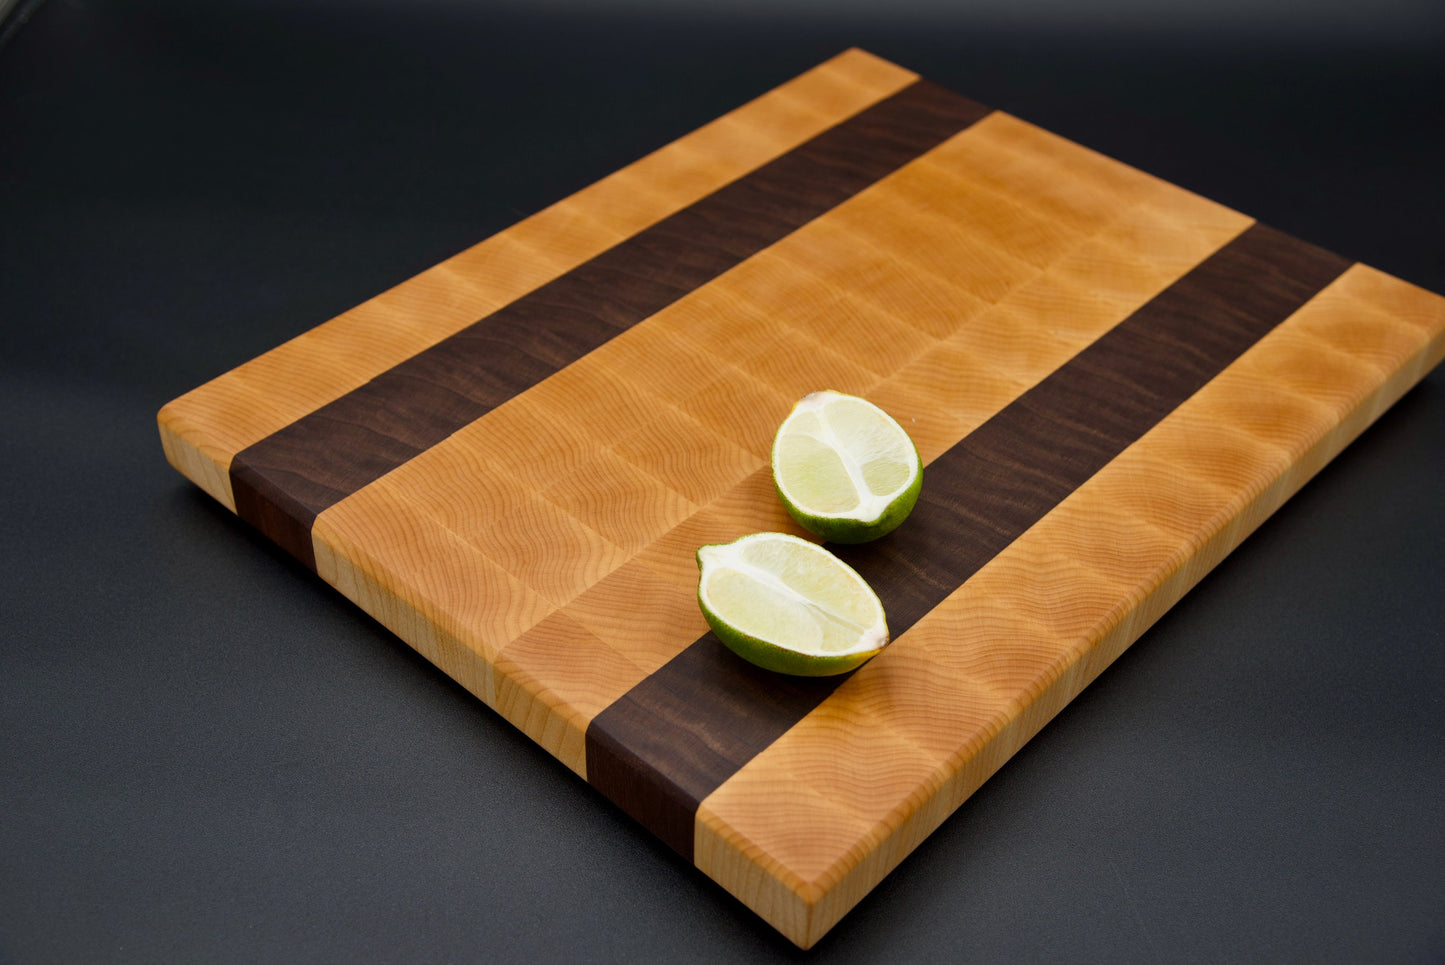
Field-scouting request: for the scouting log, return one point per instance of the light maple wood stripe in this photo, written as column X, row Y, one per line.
column 522, row 530
column 685, row 455
column 458, row 607
column 814, row 821
column 203, row 430
column 555, row 678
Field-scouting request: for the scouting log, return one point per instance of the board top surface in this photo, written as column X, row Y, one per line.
column 510, row 459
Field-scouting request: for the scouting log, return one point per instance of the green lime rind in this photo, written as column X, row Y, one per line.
column 846, row 530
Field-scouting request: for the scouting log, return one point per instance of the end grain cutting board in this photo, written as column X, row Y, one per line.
column 511, row 458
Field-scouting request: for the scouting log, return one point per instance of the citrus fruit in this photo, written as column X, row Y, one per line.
column 844, row 468
column 789, row 605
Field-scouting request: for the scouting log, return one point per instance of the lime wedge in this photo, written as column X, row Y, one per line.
column 789, row 605
column 844, row 468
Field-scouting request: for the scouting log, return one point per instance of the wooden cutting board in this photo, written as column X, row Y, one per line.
column 511, row 458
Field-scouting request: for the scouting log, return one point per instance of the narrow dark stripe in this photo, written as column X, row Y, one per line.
column 284, row 481
column 672, row 740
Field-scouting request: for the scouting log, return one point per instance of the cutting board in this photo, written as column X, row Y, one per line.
column 510, row 459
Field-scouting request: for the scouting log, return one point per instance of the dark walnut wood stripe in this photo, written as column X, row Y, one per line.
column 678, row 735
column 284, row 481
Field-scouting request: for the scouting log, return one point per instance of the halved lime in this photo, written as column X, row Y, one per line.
column 844, row 468
column 789, row 605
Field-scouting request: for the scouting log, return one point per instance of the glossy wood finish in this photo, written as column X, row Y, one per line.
column 1111, row 380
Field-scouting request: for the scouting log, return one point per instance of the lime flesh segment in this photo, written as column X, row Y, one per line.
column 789, row 605
column 844, row 468
column 817, row 468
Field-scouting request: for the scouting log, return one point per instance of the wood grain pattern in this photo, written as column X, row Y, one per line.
column 281, row 482
column 1112, row 381
column 927, row 722
column 683, row 731
column 477, row 495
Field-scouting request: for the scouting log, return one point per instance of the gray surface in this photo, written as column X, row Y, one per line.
column 206, row 754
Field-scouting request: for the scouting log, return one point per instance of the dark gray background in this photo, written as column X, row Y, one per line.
column 207, row 754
